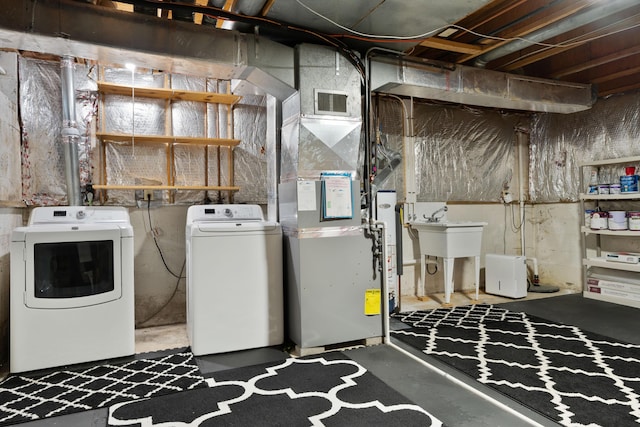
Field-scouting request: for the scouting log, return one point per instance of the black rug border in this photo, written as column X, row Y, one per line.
column 80, row 367
column 593, row 336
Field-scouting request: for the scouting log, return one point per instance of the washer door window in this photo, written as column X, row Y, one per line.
column 73, row 273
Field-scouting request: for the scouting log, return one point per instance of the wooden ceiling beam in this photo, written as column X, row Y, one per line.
column 267, row 7
column 228, row 5
column 619, row 89
column 613, row 76
column 634, row 50
column 451, row 46
column 197, row 17
column 538, row 21
column 532, row 55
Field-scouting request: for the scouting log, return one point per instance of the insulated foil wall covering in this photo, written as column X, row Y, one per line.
column 43, row 181
column 188, row 119
column 560, row 142
column 390, row 123
column 148, row 163
column 250, row 126
column 462, row 154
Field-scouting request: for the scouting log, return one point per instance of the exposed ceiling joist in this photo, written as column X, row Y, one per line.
column 451, row 46
column 607, row 55
column 228, row 5
column 197, row 17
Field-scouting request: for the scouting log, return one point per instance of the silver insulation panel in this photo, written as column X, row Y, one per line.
column 43, row 179
column 461, row 154
column 560, row 143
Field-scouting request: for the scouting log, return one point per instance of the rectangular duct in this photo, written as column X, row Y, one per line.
column 322, row 121
column 475, row 86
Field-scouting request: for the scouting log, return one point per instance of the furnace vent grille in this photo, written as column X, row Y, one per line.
column 330, row 102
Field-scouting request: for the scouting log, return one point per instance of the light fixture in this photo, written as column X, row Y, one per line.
column 130, row 66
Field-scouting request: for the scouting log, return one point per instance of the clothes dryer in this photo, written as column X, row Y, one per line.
column 234, row 279
column 71, row 292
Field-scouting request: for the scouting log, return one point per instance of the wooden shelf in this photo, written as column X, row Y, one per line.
column 166, row 139
column 169, row 141
column 171, row 94
column 165, row 187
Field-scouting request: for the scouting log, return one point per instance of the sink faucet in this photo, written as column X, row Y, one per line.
column 433, row 217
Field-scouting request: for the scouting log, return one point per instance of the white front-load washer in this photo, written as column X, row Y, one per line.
column 71, row 292
column 234, row 279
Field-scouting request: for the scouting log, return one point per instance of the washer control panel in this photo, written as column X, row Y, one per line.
column 225, row 213
column 78, row 215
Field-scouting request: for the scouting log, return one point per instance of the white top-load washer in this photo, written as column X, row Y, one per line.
column 71, row 293
column 234, row 279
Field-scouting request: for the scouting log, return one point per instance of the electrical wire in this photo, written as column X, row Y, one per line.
column 218, row 13
column 173, row 294
column 155, row 240
column 515, row 228
column 177, row 276
column 421, row 37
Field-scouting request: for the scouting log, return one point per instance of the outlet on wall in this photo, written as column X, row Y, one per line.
column 148, row 194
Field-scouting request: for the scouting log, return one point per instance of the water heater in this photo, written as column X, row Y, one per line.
column 506, row 275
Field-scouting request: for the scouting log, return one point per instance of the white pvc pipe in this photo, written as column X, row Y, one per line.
column 535, row 264
column 385, row 284
column 520, row 138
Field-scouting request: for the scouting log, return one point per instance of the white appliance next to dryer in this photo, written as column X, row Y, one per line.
column 234, row 279
column 71, row 293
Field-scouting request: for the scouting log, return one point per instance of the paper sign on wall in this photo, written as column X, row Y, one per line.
column 337, row 198
column 306, row 195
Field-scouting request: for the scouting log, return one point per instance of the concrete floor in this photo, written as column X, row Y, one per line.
column 449, row 395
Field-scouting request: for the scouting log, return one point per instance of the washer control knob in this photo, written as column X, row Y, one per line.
column 228, row 213
column 80, row 214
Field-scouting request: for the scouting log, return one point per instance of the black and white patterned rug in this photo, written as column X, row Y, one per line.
column 574, row 377
column 27, row 398
column 325, row 390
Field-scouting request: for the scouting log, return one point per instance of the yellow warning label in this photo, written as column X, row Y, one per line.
column 372, row 302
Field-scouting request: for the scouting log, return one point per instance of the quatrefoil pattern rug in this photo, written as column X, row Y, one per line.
column 326, row 390
column 32, row 397
column 574, row 377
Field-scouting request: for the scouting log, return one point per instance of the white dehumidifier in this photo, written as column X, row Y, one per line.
column 506, row 275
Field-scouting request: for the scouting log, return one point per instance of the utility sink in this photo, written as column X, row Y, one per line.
column 450, row 239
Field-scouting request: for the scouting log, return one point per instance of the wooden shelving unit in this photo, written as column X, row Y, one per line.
column 169, row 140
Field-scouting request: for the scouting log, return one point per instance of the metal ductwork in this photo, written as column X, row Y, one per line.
column 475, row 86
column 322, row 121
column 70, row 133
column 598, row 11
